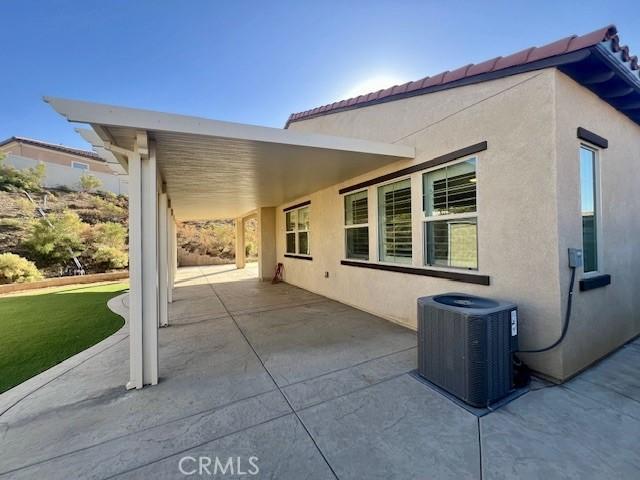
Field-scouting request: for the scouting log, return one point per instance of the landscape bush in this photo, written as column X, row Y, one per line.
column 89, row 182
column 30, row 179
column 108, row 244
column 58, row 242
column 111, row 256
column 16, row 269
column 106, row 210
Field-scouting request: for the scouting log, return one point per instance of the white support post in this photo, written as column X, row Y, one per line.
column 143, row 332
column 174, row 249
column 143, row 228
column 163, row 260
column 240, row 249
column 150, row 268
column 135, row 271
column 170, row 250
column 267, row 260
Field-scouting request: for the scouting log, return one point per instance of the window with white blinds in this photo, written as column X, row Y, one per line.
column 394, row 222
column 356, row 224
column 450, row 209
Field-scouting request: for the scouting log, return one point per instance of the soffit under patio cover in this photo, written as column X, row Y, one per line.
column 215, row 169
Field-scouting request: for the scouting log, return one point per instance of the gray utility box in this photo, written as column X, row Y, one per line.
column 465, row 346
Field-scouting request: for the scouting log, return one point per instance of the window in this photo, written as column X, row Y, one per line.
column 80, row 165
column 297, row 231
column 394, row 219
column 588, row 208
column 451, row 226
column 356, row 221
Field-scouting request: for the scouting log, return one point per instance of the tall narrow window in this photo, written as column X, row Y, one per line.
column 303, row 231
column 297, row 231
column 451, row 226
column 588, row 207
column 394, row 219
column 291, row 220
column 356, row 221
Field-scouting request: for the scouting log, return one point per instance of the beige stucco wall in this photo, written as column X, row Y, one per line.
column 52, row 156
column 606, row 317
column 517, row 211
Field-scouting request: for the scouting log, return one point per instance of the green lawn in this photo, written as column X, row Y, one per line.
column 41, row 329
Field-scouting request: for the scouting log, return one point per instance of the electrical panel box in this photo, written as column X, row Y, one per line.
column 575, row 258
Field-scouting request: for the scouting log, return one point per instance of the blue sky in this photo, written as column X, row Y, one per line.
column 256, row 61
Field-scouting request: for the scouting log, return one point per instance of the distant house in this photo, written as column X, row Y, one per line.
column 65, row 165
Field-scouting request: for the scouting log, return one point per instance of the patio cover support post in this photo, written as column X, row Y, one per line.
column 173, row 251
column 163, row 261
column 240, row 249
column 170, row 251
column 143, row 311
column 266, row 242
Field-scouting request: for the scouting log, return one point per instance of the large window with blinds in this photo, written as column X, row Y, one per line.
column 297, row 231
column 450, row 216
column 394, row 222
column 588, row 207
column 356, row 225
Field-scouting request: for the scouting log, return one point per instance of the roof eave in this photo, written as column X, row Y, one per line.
column 567, row 58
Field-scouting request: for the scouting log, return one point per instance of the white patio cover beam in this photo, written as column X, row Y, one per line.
column 216, row 169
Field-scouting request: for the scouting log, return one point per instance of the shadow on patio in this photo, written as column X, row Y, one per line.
column 314, row 389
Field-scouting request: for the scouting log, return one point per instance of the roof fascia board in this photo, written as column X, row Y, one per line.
column 603, row 51
column 107, row 115
column 98, row 144
column 550, row 62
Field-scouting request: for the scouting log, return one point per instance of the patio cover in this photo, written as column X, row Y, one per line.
column 216, row 169
column 187, row 168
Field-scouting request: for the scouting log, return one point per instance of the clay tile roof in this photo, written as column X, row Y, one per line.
column 496, row 66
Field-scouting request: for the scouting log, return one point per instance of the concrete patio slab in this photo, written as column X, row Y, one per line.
column 335, row 384
column 250, row 296
column 147, row 446
column 558, row 433
column 341, row 404
column 203, row 365
column 396, row 429
column 306, row 341
column 282, row 446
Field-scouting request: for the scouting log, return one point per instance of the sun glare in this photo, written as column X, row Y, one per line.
column 373, row 84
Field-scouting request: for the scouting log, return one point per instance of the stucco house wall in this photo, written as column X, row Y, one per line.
column 516, row 195
column 528, row 195
column 59, row 167
column 606, row 317
column 50, row 156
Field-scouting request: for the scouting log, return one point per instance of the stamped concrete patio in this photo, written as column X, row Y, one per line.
column 314, row 389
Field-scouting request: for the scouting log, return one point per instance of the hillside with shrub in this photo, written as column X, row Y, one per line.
column 89, row 224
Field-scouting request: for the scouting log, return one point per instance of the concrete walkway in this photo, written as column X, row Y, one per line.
column 314, row 389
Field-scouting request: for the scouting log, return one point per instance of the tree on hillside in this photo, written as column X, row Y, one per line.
column 108, row 244
column 58, row 242
column 89, row 182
